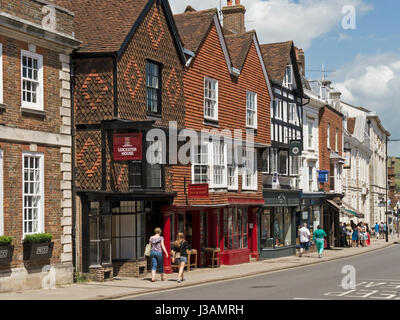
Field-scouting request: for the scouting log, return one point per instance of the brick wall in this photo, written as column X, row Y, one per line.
column 329, row 116
column 32, row 11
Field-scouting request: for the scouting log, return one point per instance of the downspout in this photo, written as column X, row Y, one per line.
column 73, row 168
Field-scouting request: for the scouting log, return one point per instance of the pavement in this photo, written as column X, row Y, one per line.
column 127, row 287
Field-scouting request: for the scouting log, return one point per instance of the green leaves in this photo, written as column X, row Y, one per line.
column 38, row 238
column 5, row 241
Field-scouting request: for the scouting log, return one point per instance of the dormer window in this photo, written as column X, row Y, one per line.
column 288, row 80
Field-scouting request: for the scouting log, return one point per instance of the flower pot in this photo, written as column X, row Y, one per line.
column 38, row 251
column 6, row 254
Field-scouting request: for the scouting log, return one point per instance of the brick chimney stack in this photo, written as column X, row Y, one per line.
column 301, row 60
column 234, row 17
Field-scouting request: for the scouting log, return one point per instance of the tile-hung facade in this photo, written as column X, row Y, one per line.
column 280, row 165
column 128, row 80
column 35, row 140
column 226, row 89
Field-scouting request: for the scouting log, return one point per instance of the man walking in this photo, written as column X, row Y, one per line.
column 304, row 234
column 343, row 234
column 376, row 230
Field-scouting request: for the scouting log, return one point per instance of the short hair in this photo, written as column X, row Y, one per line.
column 305, row 224
column 319, row 227
column 157, row 230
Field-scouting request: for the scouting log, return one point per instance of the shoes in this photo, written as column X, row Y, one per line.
column 179, row 281
column 152, row 280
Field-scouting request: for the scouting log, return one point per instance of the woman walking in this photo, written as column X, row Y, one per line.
column 157, row 246
column 179, row 251
column 318, row 238
column 354, row 238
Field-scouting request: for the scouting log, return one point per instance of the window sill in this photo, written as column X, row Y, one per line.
column 211, row 122
column 154, row 116
column 28, row 111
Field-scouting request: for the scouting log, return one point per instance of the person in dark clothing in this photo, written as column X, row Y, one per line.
column 179, row 251
column 343, row 231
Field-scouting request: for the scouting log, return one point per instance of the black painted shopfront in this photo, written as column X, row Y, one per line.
column 277, row 224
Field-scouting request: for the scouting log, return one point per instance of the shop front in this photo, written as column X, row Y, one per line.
column 331, row 218
column 229, row 229
column 277, row 224
column 311, row 212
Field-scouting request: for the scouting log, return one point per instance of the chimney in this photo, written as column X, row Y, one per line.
column 234, row 17
column 301, row 60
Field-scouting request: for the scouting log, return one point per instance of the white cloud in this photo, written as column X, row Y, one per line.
column 282, row 20
column 373, row 81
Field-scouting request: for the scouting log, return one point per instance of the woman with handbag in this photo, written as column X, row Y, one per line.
column 157, row 246
column 179, row 251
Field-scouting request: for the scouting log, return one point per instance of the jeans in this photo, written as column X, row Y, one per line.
column 157, row 261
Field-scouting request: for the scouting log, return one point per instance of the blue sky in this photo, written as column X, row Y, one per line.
column 366, row 60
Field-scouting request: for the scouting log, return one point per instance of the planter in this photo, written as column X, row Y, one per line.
column 6, row 254
column 38, row 251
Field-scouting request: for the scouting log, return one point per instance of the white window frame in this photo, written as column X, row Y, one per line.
column 1, row 195
column 278, row 109
column 234, row 167
column 254, row 111
column 292, row 112
column 42, row 199
column 39, row 105
column 1, row 74
column 289, row 70
column 310, row 128
column 252, row 186
column 329, row 136
column 215, row 118
column 337, row 140
column 202, row 164
column 214, row 164
column 311, row 181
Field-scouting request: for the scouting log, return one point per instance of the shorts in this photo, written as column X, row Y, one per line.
column 305, row 245
column 183, row 259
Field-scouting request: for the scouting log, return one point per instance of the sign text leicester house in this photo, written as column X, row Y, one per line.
column 128, row 146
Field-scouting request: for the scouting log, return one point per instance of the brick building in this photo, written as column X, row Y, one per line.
column 128, row 80
column 331, row 162
column 35, row 139
column 226, row 89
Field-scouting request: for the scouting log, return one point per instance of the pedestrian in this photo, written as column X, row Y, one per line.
column 381, row 234
column 354, row 238
column 348, row 234
column 364, row 236
column 359, row 234
column 376, row 230
column 179, row 251
column 384, row 230
column 343, row 234
column 157, row 246
column 368, row 240
column 318, row 238
column 304, row 234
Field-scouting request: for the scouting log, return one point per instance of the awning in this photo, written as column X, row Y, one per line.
column 352, row 211
column 334, row 205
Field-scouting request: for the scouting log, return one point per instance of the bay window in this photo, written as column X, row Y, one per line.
column 249, row 169
column 200, row 169
column 283, row 162
column 235, row 228
column 294, row 165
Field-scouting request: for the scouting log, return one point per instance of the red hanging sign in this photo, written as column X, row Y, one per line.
column 128, row 146
column 197, row 191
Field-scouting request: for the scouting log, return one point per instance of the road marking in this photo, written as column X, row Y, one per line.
column 308, row 299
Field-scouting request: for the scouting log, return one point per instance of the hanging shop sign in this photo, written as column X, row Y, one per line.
column 295, row 148
column 198, row 191
column 128, row 146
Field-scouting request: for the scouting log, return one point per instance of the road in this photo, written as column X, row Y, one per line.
column 377, row 277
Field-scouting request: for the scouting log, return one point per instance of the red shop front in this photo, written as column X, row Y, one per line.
column 230, row 227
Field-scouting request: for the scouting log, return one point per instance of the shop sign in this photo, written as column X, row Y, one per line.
column 197, row 191
column 128, row 146
column 295, row 147
column 323, row 176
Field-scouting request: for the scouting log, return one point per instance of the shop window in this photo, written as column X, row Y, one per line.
column 128, row 230
column 235, row 228
column 276, row 228
column 100, row 234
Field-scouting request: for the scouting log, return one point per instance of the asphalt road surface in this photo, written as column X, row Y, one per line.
column 376, row 275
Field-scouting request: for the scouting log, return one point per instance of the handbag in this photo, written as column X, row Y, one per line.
column 147, row 250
